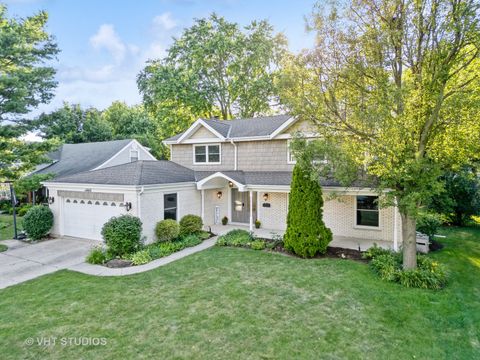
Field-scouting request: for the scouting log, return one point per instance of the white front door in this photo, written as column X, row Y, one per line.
column 85, row 218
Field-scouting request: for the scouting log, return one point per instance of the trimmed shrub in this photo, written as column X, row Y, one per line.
column 38, row 221
column 141, row 257
column 122, row 234
column 96, row 256
column 429, row 224
column 190, row 224
column 258, row 245
column 306, row 233
column 224, row 220
column 167, row 230
column 258, row 223
column 235, row 237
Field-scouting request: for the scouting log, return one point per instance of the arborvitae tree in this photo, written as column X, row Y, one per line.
column 306, row 233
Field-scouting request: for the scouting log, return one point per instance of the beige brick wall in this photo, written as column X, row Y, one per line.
column 275, row 216
column 183, row 154
column 211, row 200
column 151, row 202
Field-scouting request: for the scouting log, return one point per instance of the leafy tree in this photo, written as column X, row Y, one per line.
column 30, row 183
column 306, row 233
column 25, row 82
column 461, row 198
column 72, row 124
column 214, row 68
column 395, row 84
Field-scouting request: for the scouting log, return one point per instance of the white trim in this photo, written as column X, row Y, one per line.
column 289, row 154
column 366, row 227
column 203, row 205
column 251, row 210
column 240, row 186
column 284, row 126
column 135, row 142
column 194, row 126
column 117, row 188
column 207, row 154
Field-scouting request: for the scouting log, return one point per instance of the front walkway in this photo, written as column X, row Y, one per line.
column 338, row 241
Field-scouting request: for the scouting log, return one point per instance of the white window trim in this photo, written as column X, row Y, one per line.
column 206, row 154
column 289, row 153
column 365, row 227
column 134, row 150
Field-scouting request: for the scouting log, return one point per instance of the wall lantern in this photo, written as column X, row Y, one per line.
column 128, row 206
column 230, row 184
column 219, row 194
column 265, row 197
column 51, row 199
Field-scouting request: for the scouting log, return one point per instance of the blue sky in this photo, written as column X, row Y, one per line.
column 105, row 43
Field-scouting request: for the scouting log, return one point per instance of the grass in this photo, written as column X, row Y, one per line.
column 3, row 247
column 6, row 226
column 243, row 304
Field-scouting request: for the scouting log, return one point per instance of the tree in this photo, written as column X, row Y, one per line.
column 72, row 124
column 396, row 84
column 461, row 198
column 214, row 68
column 306, row 233
column 25, row 82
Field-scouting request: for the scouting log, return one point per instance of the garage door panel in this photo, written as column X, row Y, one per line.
column 85, row 219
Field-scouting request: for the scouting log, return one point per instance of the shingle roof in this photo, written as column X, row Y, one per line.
column 74, row 158
column 143, row 172
column 238, row 128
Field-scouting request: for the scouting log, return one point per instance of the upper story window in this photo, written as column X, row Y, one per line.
column 206, row 154
column 367, row 211
column 133, row 155
column 291, row 157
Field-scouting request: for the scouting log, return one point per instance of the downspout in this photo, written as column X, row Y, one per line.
column 138, row 201
column 234, row 154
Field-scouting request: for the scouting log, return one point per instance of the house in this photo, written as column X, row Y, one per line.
column 241, row 169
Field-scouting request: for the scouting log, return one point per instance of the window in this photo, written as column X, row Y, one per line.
column 291, row 156
column 367, row 211
column 206, row 154
column 133, row 155
column 170, row 206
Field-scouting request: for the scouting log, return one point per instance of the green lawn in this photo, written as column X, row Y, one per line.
column 227, row 303
column 6, row 226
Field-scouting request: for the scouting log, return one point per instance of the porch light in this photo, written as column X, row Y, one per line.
column 230, row 184
column 219, row 194
column 128, row 206
column 51, row 199
column 265, row 197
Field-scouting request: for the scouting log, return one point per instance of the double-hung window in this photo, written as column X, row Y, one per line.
column 206, row 154
column 170, row 206
column 367, row 211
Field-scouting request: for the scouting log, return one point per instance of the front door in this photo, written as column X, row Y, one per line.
column 241, row 206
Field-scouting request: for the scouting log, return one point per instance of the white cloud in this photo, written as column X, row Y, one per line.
column 164, row 21
column 107, row 38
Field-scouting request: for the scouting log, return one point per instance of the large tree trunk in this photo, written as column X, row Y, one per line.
column 409, row 241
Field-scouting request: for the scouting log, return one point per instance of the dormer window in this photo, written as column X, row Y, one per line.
column 206, row 154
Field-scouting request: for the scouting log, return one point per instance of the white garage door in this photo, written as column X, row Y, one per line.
column 85, row 218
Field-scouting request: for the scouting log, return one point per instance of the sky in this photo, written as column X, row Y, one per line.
column 105, row 43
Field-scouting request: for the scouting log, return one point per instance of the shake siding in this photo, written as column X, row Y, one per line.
column 183, row 154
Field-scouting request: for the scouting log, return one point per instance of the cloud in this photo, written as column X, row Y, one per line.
column 107, row 38
column 164, row 21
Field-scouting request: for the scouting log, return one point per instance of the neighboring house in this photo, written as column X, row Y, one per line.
column 240, row 169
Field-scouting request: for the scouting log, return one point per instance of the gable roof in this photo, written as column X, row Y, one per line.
column 142, row 172
column 74, row 158
column 264, row 126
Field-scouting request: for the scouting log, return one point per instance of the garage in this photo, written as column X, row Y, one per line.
column 85, row 218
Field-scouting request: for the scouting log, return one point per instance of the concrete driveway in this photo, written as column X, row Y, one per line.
column 23, row 261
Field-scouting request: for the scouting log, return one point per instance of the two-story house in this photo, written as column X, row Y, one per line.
column 240, row 169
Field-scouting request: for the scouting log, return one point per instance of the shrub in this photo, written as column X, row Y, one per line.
column 141, row 257
column 375, row 251
column 306, row 233
column 429, row 274
column 235, row 237
column 167, row 230
column 203, row 235
column 190, row 224
column 22, row 211
column 258, row 223
column 225, row 220
column 122, row 234
column 258, row 245
column 38, row 221
column 190, row 240
column 96, row 256
column 429, row 224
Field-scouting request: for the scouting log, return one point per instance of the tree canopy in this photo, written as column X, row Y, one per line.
column 394, row 86
column 25, row 82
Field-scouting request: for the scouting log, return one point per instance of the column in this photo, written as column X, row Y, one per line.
column 251, row 210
